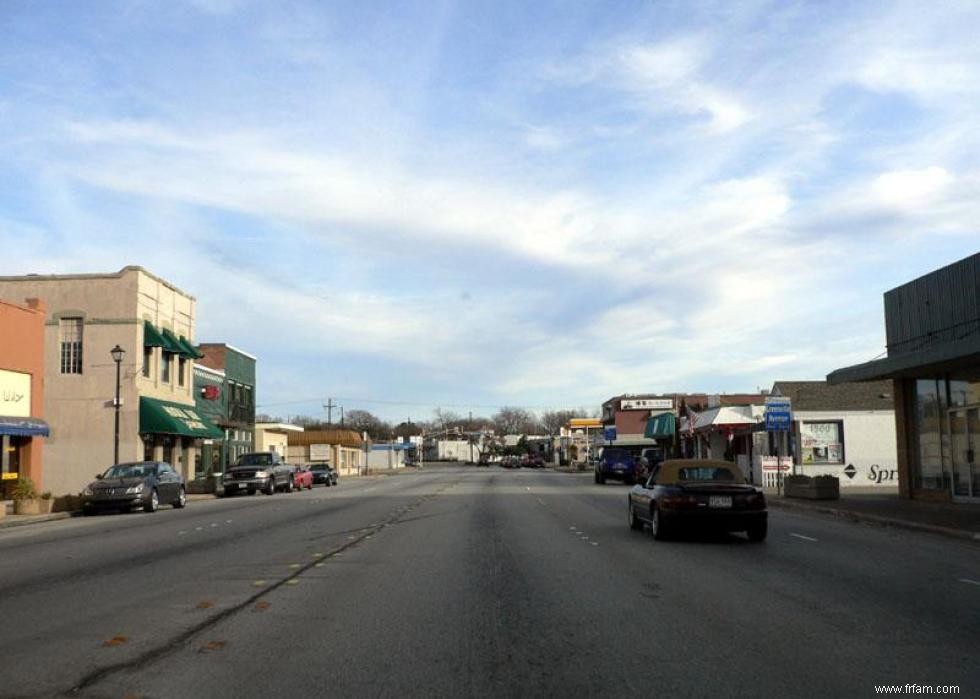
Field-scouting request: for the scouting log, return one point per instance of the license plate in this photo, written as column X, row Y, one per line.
column 720, row 501
column 242, row 486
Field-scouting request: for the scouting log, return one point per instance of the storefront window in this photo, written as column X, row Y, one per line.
column 822, row 442
column 928, row 411
column 963, row 393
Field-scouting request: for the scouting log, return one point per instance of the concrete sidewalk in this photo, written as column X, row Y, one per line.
column 961, row 521
column 12, row 520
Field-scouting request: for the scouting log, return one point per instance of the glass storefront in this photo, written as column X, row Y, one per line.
column 947, row 432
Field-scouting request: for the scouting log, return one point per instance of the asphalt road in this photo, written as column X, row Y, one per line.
column 470, row 581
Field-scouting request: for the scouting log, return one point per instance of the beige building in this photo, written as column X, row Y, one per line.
column 342, row 449
column 274, row 436
column 87, row 316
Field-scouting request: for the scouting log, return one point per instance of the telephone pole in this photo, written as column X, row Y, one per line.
column 329, row 406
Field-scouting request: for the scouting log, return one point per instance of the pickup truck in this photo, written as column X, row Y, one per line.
column 261, row 470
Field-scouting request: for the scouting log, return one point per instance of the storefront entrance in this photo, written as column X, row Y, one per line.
column 964, row 427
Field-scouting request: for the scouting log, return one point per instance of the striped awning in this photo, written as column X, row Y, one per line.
column 660, row 426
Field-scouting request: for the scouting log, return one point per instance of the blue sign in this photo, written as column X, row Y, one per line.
column 779, row 414
column 609, row 434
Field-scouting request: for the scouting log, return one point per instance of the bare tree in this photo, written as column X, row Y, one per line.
column 512, row 420
column 554, row 420
column 445, row 419
column 365, row 421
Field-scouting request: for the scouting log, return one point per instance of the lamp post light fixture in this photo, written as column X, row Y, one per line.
column 117, row 353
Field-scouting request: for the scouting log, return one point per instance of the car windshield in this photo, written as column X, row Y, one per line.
column 130, row 471
column 616, row 455
column 255, row 460
column 717, row 474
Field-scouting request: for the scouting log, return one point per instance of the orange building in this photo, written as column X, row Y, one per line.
column 22, row 390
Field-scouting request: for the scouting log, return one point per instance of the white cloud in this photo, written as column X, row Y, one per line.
column 910, row 188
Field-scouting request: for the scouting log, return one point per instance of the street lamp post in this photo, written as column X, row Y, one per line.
column 117, row 353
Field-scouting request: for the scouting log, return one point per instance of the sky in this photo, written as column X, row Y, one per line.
column 467, row 205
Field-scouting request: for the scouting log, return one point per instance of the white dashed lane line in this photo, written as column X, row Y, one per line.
column 805, row 538
column 969, row 582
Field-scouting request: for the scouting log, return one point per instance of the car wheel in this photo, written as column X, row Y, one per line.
column 635, row 522
column 289, row 485
column 181, row 498
column 88, row 511
column 153, row 503
column 657, row 527
column 757, row 532
column 270, row 486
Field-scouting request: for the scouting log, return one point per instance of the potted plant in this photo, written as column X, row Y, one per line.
column 27, row 501
column 824, row 487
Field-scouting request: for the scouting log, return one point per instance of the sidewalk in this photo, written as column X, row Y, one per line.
column 948, row 519
column 12, row 520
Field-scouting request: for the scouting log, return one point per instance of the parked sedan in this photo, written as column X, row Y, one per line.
column 144, row 484
column 324, row 473
column 684, row 493
column 302, row 478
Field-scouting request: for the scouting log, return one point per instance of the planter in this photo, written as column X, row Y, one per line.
column 806, row 487
column 33, row 506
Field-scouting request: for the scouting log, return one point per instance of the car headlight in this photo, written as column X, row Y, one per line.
column 261, row 474
column 134, row 490
column 88, row 492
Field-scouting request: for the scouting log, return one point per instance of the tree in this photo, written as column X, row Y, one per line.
column 511, row 420
column 554, row 420
column 365, row 421
column 445, row 419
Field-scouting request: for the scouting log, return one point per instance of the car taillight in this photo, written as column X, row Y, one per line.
column 679, row 502
column 755, row 501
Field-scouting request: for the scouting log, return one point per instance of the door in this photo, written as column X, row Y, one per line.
column 964, row 427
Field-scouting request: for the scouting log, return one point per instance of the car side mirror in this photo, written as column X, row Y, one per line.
column 98, row 476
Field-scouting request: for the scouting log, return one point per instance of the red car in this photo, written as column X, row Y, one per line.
column 302, row 478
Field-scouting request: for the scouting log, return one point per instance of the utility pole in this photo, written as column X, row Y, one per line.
column 341, row 416
column 469, row 426
column 329, row 406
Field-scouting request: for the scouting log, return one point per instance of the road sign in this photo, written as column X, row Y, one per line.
column 779, row 413
column 609, row 434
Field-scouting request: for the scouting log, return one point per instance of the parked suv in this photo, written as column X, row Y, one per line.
column 261, row 470
column 618, row 464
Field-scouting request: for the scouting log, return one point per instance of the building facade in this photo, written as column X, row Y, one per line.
column 274, row 436
column 225, row 390
column 932, row 328
column 87, row 316
column 342, row 449
column 22, row 426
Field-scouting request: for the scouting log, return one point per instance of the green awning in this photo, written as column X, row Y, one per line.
column 172, row 344
column 152, row 336
column 660, row 426
column 166, row 417
column 192, row 351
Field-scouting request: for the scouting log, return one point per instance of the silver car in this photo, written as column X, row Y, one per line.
column 146, row 484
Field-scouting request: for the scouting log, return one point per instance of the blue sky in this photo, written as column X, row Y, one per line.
column 477, row 204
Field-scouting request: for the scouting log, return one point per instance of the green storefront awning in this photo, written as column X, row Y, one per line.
column 165, row 417
column 192, row 351
column 660, row 426
column 172, row 344
column 152, row 336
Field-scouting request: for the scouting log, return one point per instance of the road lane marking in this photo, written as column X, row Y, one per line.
column 800, row 536
column 969, row 582
column 594, row 543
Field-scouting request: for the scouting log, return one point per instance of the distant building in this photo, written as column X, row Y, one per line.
column 274, row 436
column 88, row 315
column 342, row 449
column 932, row 326
column 22, row 391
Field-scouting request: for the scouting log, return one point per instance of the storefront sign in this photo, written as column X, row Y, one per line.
column 647, row 404
column 319, row 452
column 211, row 392
column 15, row 393
column 771, row 463
column 185, row 415
column 9, row 476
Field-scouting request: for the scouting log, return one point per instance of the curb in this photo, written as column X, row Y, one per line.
column 7, row 523
column 877, row 519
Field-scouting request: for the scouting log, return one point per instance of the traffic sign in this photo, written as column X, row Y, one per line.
column 609, row 434
column 778, row 414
